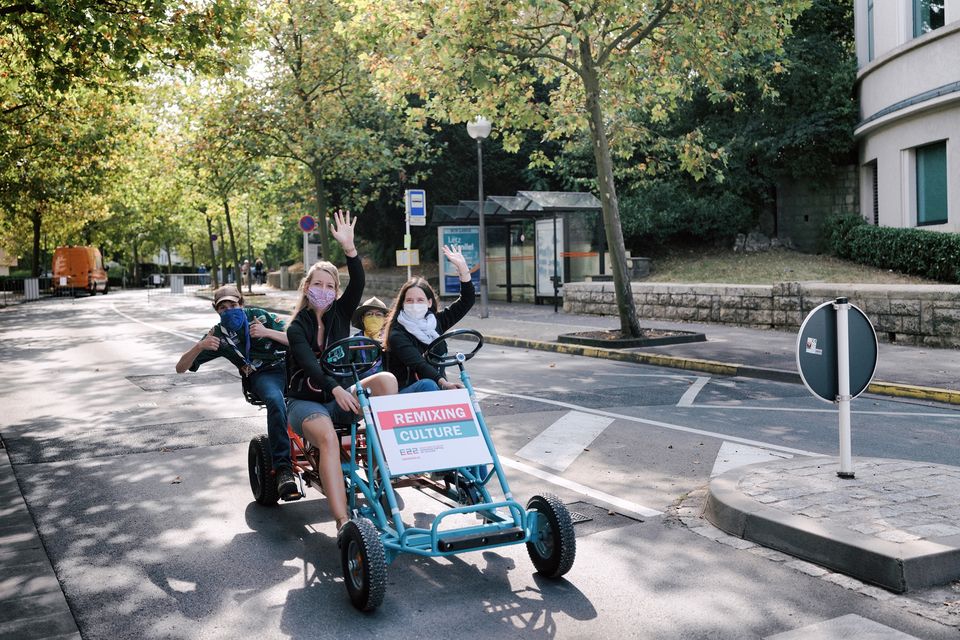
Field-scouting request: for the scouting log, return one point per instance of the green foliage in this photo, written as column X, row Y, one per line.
column 930, row 254
column 667, row 212
column 836, row 232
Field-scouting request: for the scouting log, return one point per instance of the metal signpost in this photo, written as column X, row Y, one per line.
column 837, row 357
column 307, row 224
column 415, row 205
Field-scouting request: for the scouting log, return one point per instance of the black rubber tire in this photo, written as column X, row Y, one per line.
column 364, row 563
column 553, row 546
column 262, row 482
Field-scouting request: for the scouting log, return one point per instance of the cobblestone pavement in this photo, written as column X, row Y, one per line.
column 893, row 500
column 875, row 506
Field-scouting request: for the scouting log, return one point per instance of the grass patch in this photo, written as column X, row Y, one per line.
column 723, row 266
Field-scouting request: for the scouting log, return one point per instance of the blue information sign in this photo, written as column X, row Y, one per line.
column 468, row 239
column 416, row 205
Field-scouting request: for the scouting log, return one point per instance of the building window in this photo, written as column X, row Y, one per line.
column 932, row 184
column 875, row 193
column 870, row 54
column 927, row 16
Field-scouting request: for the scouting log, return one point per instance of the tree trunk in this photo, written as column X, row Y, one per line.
column 321, row 215
column 166, row 246
column 36, row 218
column 213, row 254
column 233, row 246
column 223, row 255
column 136, row 262
column 629, row 325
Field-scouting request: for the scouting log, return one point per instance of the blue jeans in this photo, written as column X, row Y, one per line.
column 269, row 385
column 421, row 385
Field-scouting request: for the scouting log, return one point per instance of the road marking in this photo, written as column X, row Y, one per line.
column 621, row 504
column 656, row 423
column 800, row 410
column 172, row 332
column 732, row 456
column 690, row 394
column 848, row 626
column 560, row 443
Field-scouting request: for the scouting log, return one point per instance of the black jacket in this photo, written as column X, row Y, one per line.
column 302, row 334
column 405, row 352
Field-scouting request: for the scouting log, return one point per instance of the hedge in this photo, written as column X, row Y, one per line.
column 929, row 254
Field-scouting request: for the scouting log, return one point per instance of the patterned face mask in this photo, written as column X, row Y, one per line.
column 372, row 325
column 320, row 299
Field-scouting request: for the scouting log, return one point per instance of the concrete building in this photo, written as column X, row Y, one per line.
column 908, row 85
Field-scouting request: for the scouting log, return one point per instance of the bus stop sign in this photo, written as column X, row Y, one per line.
column 817, row 351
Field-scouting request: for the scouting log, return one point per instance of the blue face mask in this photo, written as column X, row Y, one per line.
column 233, row 319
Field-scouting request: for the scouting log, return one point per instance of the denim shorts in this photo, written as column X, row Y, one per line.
column 300, row 410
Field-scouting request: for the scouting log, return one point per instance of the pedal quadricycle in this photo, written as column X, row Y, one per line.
column 435, row 440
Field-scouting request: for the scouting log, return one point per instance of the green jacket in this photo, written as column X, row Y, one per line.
column 263, row 351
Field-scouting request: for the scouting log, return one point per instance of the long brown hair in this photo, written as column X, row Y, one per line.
column 416, row 281
column 323, row 265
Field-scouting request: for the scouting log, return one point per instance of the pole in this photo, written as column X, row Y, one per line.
column 483, row 233
column 842, row 307
column 406, row 238
column 306, row 250
column 249, row 256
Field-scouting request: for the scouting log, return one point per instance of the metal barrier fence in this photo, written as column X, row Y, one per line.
column 14, row 290
column 177, row 284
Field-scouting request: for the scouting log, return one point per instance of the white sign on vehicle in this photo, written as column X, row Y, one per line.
column 429, row 431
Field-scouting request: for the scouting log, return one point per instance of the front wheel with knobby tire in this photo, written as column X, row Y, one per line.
column 260, row 465
column 553, row 544
column 364, row 563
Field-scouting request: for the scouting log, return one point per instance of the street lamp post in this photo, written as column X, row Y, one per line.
column 479, row 128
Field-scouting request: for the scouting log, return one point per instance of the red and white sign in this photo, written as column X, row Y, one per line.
column 430, row 431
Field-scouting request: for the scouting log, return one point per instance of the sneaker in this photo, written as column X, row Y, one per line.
column 287, row 487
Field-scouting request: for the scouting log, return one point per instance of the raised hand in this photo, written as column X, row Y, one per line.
column 209, row 342
column 455, row 257
column 257, row 330
column 343, row 231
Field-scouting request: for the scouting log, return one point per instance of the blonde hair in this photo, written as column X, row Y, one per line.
column 323, row 265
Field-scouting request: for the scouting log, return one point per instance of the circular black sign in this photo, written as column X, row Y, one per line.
column 817, row 351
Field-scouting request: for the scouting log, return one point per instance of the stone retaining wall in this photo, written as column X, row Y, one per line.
column 908, row 314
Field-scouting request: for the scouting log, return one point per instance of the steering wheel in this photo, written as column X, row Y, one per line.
column 437, row 354
column 352, row 354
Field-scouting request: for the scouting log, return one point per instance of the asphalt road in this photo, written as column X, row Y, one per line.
column 137, row 480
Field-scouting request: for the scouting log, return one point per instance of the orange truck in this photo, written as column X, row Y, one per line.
column 79, row 269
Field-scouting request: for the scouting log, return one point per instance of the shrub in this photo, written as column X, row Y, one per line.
column 929, row 254
column 836, row 232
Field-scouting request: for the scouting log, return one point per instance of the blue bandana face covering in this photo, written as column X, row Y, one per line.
column 233, row 319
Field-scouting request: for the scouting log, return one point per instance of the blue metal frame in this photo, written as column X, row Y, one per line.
column 506, row 520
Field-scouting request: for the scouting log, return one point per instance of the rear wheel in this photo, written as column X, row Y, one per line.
column 553, row 544
column 364, row 564
column 260, row 466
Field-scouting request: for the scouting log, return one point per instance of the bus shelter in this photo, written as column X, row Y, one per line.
column 568, row 240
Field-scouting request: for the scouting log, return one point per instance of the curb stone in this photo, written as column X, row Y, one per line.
column 940, row 604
